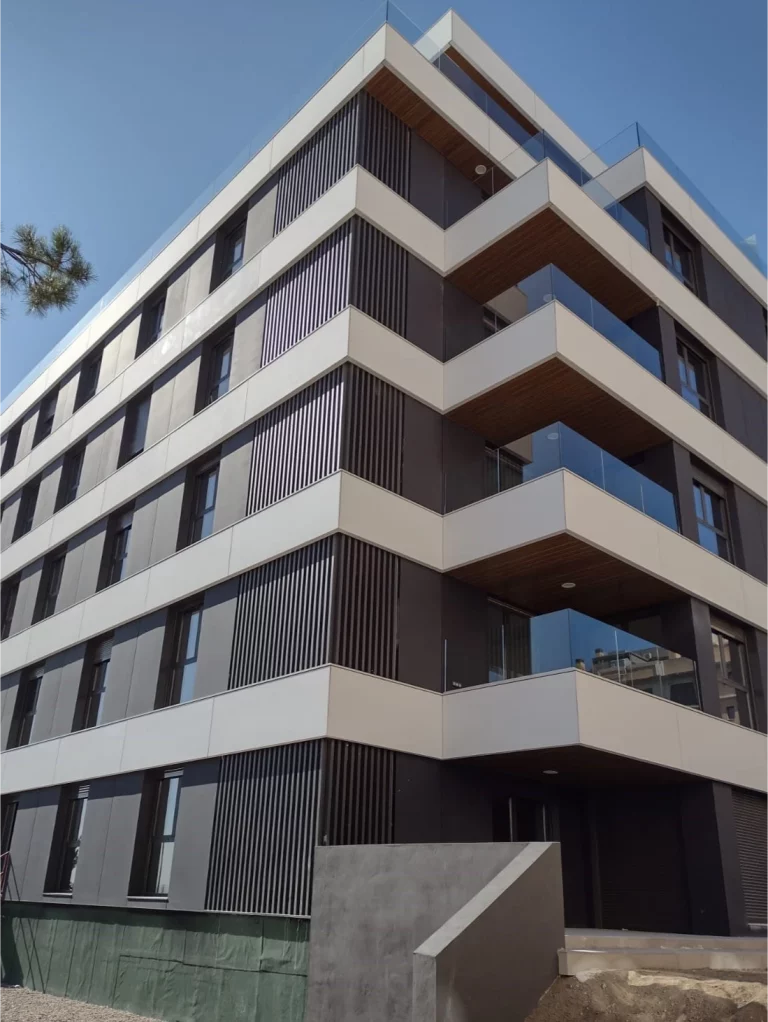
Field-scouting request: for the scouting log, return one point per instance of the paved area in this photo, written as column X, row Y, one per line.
column 20, row 1005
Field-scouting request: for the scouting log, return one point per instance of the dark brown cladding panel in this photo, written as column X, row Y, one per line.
column 358, row 795
column 749, row 811
column 265, row 831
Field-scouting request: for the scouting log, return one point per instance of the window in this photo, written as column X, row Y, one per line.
column 118, row 539
column 135, row 428
column 180, row 678
column 679, row 259
column 9, row 822
column 502, row 470
column 156, row 314
column 155, row 848
column 204, row 486
column 26, row 513
column 11, row 447
column 712, row 520
column 732, row 679
column 509, row 643
column 90, row 704
column 9, row 591
column 26, row 705
column 492, row 322
column 220, row 368
column 63, row 864
column 89, row 378
column 45, row 417
column 233, row 251
column 694, row 379
column 50, row 583
column 71, row 471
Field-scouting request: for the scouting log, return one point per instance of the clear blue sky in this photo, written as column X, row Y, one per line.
column 116, row 115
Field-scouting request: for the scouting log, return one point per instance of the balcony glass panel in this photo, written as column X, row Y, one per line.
column 557, row 446
column 520, row 646
column 551, row 284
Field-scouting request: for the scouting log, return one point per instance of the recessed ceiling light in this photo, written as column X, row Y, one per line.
column 551, row 773
column 481, row 168
column 567, row 585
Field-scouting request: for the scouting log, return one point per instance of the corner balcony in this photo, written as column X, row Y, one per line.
column 520, row 647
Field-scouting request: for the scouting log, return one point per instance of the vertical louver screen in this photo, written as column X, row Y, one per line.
column 358, row 795
column 264, row 831
column 373, row 437
column 385, row 145
column 366, row 602
column 318, row 165
column 282, row 614
column 749, row 810
column 380, row 276
column 311, row 292
column 297, row 443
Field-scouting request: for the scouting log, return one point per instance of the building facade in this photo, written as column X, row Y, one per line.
column 413, row 493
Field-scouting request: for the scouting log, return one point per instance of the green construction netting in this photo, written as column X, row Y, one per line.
column 182, row 967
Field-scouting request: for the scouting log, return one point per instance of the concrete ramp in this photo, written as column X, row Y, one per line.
column 590, row 951
column 421, row 933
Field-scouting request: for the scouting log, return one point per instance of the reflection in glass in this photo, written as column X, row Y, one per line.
column 733, row 684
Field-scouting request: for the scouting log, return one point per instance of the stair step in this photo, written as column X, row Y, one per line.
column 622, row 959
column 611, row 940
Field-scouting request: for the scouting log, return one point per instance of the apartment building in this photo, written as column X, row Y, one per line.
column 414, row 492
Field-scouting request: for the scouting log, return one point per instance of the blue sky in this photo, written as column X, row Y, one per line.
column 116, row 115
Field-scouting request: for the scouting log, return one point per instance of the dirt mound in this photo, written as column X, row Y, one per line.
column 707, row 996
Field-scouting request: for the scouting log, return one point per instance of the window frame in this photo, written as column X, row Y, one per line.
column 155, row 321
column 71, row 473
column 174, row 680
column 13, row 437
column 90, row 371
column 9, row 593
column 67, row 851
column 25, row 707
column 151, row 845
column 50, row 585
column 122, row 525
column 215, row 378
column 674, row 246
column 44, row 424
column 229, row 263
column 722, row 532
column 134, row 416
column 25, row 516
column 93, row 687
column 688, row 359
column 197, row 509
column 740, row 678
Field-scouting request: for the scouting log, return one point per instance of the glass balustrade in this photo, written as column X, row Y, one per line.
column 557, row 446
column 520, row 646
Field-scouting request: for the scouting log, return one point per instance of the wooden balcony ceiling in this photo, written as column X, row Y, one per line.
column 547, row 238
column 396, row 96
column 555, row 392
column 531, row 577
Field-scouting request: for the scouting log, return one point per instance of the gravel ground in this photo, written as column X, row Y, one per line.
column 21, row 1005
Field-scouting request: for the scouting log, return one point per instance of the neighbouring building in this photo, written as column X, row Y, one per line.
column 414, row 492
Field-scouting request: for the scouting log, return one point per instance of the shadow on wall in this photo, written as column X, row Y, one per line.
column 433, row 932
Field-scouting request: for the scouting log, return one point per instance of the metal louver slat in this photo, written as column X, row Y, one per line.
column 751, row 819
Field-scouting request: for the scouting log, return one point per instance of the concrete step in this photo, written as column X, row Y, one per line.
column 611, row 940
column 623, row 959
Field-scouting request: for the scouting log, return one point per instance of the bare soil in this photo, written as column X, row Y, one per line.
column 706, row 996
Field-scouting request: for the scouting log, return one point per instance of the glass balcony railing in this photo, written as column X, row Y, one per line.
column 551, row 284
column 557, row 446
column 636, row 137
column 520, row 646
column 541, row 146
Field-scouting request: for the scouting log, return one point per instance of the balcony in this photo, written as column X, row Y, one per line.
column 519, row 647
column 551, row 284
column 557, row 446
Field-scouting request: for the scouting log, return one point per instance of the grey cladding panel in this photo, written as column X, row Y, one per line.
column 297, row 443
column 217, row 631
column 232, row 488
column 194, row 825
column 281, row 622
column 265, row 830
column 311, row 292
